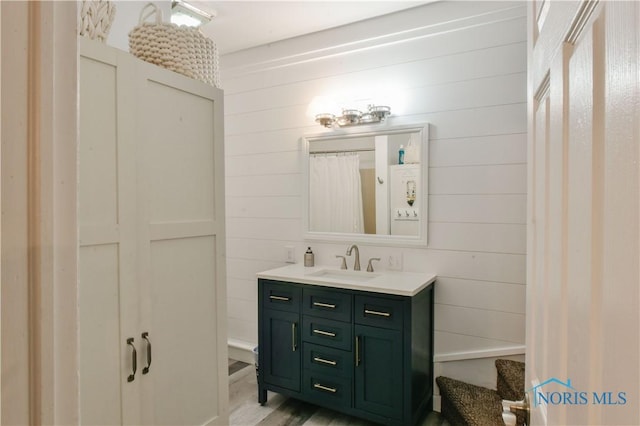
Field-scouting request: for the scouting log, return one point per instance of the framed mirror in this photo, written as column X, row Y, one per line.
column 367, row 185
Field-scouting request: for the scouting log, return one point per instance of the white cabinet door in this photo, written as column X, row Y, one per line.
column 108, row 294
column 152, row 244
column 180, row 183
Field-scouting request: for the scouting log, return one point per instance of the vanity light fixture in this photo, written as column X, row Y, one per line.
column 353, row 117
column 183, row 13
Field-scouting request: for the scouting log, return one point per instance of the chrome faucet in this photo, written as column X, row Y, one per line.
column 356, row 264
column 370, row 266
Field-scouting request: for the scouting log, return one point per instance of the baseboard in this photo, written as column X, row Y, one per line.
column 241, row 351
column 482, row 353
column 436, row 403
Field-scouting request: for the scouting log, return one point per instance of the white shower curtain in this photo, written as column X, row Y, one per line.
column 335, row 195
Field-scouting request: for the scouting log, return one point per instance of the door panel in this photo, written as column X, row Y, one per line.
column 282, row 353
column 378, row 375
column 180, row 208
column 583, row 225
column 98, row 189
column 108, row 287
column 101, row 361
column 183, row 332
column 179, row 155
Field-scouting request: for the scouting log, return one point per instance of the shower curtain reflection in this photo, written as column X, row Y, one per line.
column 335, row 200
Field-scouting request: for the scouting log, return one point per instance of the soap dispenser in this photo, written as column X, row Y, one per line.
column 308, row 257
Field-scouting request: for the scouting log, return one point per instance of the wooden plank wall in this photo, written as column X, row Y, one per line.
column 460, row 66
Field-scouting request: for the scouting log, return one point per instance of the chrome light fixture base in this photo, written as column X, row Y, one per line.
column 353, row 117
column 326, row 120
column 379, row 112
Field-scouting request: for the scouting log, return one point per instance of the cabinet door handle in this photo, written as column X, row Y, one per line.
column 381, row 314
column 324, row 333
column 324, row 361
column 134, row 360
column 357, row 351
column 145, row 336
column 324, row 305
column 281, row 298
column 294, row 346
column 325, row 388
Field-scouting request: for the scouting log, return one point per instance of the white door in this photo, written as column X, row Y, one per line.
column 583, row 316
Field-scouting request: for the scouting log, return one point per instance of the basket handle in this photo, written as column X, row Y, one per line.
column 153, row 10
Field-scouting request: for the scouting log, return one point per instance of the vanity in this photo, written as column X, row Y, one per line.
column 352, row 341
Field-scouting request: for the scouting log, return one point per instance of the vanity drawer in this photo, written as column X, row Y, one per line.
column 322, row 359
column 379, row 312
column 327, row 332
column 281, row 296
column 327, row 304
column 331, row 391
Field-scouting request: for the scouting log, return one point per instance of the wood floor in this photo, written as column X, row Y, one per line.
column 245, row 410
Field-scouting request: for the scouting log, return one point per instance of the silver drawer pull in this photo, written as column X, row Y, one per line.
column 325, row 388
column 284, row 299
column 324, row 305
column 324, row 333
column 324, row 361
column 382, row 314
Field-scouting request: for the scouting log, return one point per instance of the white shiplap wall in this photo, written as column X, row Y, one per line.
column 461, row 66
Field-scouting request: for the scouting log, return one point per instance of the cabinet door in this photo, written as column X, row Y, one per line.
column 282, row 348
column 108, row 290
column 378, row 371
column 181, row 248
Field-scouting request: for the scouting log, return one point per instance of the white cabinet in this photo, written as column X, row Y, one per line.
column 151, row 213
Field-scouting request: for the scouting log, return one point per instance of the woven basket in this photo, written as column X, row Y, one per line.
column 95, row 19
column 182, row 49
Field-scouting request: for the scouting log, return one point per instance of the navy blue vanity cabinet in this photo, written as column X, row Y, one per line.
column 366, row 354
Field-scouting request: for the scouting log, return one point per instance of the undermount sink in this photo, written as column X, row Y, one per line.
column 341, row 274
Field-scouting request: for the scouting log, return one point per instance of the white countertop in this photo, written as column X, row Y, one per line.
column 387, row 282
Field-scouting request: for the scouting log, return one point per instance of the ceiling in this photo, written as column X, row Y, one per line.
column 243, row 24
